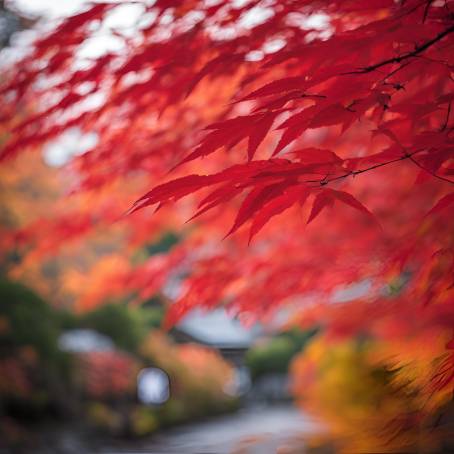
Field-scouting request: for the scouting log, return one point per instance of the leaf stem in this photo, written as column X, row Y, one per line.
column 447, row 180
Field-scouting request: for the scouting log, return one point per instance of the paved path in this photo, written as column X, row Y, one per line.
column 256, row 430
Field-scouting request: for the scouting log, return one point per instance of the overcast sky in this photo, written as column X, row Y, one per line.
column 49, row 8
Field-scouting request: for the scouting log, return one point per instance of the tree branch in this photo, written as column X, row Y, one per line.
column 406, row 55
column 325, row 181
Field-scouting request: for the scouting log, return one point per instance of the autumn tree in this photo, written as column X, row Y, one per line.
column 321, row 132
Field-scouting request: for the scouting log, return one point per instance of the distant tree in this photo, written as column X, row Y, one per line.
column 11, row 21
column 122, row 324
column 275, row 354
column 27, row 321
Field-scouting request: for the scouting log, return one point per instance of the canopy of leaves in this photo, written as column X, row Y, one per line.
column 316, row 137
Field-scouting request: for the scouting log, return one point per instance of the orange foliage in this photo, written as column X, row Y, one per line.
column 192, row 368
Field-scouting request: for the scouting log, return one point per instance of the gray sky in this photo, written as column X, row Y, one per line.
column 48, row 8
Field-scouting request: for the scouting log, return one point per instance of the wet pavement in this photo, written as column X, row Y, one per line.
column 253, row 430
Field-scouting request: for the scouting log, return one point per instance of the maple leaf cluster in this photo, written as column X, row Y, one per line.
column 320, row 132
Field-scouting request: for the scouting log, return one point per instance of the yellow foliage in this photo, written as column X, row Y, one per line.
column 375, row 395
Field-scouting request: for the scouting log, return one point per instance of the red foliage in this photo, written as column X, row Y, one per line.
column 107, row 374
column 355, row 114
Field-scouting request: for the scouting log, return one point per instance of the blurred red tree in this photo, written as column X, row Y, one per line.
column 336, row 114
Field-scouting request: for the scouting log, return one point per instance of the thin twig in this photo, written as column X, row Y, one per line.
column 445, row 125
column 447, row 180
column 402, row 66
column 414, row 53
column 426, row 10
column 353, row 173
